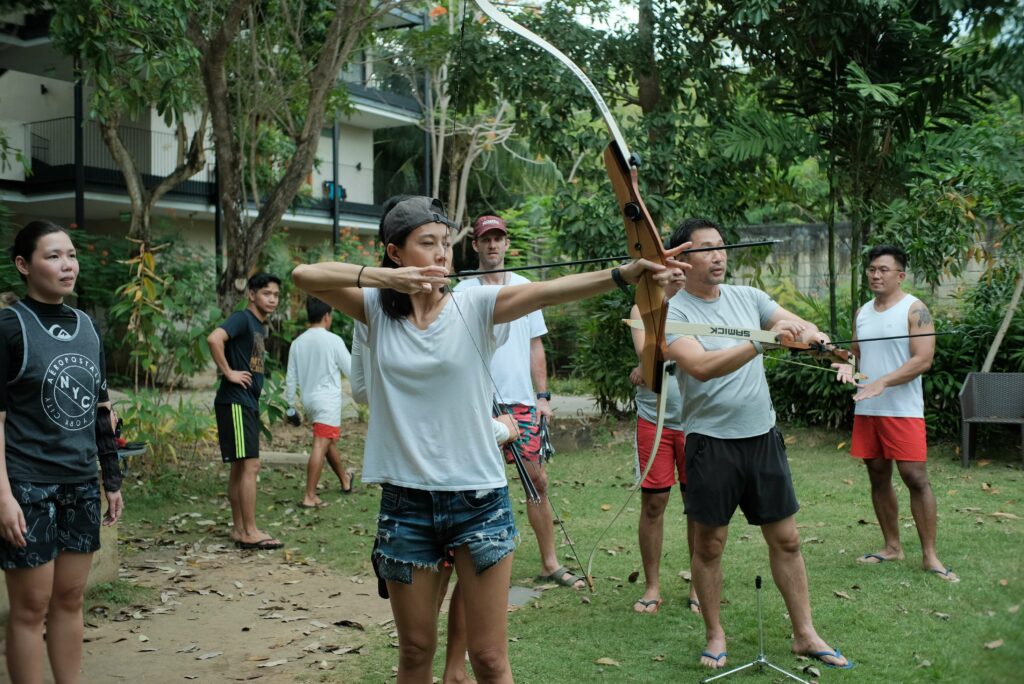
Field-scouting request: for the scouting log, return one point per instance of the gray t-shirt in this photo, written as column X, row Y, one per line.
column 647, row 405
column 737, row 405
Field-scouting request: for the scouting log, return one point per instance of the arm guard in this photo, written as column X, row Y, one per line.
column 110, row 469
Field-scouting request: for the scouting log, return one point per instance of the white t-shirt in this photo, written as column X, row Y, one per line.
column 430, row 397
column 357, row 379
column 510, row 366
column 316, row 361
column 884, row 356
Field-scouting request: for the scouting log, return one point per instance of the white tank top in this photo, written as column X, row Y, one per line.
column 883, row 357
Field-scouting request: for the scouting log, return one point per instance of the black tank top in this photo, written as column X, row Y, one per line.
column 50, row 430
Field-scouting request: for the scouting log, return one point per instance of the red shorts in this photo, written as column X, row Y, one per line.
column 529, row 432
column 670, row 462
column 894, row 439
column 326, row 431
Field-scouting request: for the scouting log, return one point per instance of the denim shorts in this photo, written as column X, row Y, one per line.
column 59, row 517
column 421, row 529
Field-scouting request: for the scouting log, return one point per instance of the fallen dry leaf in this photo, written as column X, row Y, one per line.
column 847, row 481
column 211, row 654
column 843, row 595
column 607, row 661
column 274, row 663
column 633, row 577
column 1007, row 516
column 992, row 645
column 840, row 446
column 1013, row 609
column 606, row 507
column 1004, row 582
column 685, row 574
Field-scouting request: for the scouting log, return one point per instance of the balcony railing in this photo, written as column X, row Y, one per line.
column 155, row 155
column 52, row 145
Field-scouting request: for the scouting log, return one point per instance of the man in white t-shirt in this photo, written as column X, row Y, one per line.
column 888, row 422
column 316, row 361
column 519, row 371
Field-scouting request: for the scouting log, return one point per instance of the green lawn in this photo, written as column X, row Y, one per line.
column 898, row 623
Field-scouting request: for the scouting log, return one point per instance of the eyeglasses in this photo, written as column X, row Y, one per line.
column 882, row 271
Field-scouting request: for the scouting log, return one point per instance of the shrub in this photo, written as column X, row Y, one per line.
column 171, row 431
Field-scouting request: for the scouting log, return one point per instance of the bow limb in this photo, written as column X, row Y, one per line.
column 659, row 428
column 503, row 20
column 642, row 235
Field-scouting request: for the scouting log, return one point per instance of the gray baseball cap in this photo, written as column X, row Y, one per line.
column 410, row 214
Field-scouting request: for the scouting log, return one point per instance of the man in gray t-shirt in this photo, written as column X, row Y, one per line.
column 734, row 455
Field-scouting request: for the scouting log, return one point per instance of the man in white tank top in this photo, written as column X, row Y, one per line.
column 888, row 422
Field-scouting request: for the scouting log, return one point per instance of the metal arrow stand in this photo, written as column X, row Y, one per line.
column 760, row 662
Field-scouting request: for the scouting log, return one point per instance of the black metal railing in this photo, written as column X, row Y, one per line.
column 155, row 153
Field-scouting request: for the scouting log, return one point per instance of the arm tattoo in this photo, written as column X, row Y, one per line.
column 923, row 317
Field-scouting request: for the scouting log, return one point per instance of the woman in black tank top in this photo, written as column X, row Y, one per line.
column 55, row 420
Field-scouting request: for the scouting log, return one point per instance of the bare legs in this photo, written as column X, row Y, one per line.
column 650, row 532
column 542, row 521
column 789, row 574
column 323, row 448
column 415, row 609
column 922, row 506
column 52, row 592
column 242, row 495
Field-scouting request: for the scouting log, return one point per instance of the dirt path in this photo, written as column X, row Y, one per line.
column 223, row 615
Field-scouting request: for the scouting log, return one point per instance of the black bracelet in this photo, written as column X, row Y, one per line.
column 360, row 276
column 620, row 281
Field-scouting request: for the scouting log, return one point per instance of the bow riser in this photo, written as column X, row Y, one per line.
column 643, row 242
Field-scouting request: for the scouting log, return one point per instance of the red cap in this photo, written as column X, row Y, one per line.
column 485, row 224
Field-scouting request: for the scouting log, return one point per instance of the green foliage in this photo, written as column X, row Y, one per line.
column 172, row 431
column 167, row 307
column 134, row 55
column 606, row 354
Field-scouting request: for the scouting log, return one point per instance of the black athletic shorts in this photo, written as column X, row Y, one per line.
column 751, row 473
column 238, row 430
column 59, row 517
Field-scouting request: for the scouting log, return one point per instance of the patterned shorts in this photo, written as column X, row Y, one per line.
column 59, row 517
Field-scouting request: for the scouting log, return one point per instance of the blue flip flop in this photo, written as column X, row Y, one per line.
column 821, row 655
column 716, row 658
column 946, row 574
column 877, row 556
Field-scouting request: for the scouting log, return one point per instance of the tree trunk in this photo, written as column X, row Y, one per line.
column 244, row 241
column 1010, row 311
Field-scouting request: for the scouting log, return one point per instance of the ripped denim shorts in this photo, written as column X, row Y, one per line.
column 419, row 529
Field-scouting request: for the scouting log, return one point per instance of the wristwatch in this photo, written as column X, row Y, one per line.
column 544, row 395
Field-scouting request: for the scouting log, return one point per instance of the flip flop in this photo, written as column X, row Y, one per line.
column 716, row 658
column 946, row 574
column 558, row 577
column 268, row 544
column 322, row 504
column 647, row 603
column 351, row 472
column 821, row 655
column 878, row 559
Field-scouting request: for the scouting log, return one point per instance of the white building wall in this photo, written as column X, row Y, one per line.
column 355, row 164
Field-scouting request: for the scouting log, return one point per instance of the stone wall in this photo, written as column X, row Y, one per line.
column 802, row 257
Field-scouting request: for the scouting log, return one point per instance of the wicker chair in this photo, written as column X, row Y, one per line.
column 990, row 398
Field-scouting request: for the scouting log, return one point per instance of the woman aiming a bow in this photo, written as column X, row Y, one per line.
column 430, row 443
